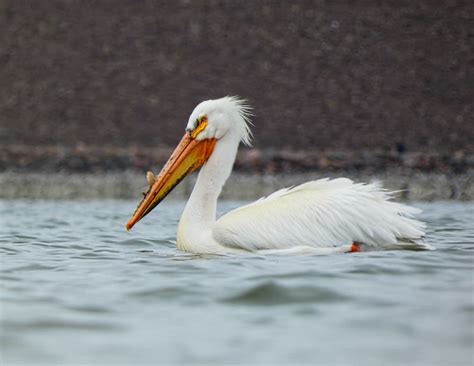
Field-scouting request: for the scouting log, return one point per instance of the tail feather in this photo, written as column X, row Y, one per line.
column 401, row 244
column 406, row 244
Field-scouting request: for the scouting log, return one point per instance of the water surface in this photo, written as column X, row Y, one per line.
column 76, row 288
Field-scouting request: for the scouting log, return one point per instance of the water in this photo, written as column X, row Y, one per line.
column 77, row 289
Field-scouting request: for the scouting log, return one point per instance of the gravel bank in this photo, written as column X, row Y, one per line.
column 241, row 186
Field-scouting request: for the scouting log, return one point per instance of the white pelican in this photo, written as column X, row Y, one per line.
column 322, row 216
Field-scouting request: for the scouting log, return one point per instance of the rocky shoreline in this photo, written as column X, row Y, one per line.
column 104, row 159
column 241, row 186
column 94, row 96
column 56, row 172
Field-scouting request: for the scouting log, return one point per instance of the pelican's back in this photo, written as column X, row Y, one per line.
column 322, row 214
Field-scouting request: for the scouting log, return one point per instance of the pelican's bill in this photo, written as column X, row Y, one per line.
column 188, row 156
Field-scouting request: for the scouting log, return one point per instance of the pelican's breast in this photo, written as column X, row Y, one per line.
column 181, row 235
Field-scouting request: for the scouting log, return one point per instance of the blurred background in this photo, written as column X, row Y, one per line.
column 106, row 87
column 95, row 93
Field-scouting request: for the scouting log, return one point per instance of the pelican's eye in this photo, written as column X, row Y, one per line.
column 200, row 126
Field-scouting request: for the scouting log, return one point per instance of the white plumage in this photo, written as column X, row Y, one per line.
column 321, row 216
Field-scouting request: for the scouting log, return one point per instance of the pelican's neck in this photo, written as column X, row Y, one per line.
column 199, row 215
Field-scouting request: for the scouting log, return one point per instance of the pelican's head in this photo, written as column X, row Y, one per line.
column 211, row 121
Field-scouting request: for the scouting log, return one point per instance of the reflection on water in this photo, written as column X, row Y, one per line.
column 77, row 288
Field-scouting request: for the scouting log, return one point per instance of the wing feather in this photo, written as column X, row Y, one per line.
column 323, row 213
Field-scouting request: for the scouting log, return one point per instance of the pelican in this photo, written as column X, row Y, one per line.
column 322, row 216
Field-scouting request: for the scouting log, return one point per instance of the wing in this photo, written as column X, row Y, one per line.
column 323, row 213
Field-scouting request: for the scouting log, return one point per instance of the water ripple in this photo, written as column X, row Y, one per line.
column 272, row 293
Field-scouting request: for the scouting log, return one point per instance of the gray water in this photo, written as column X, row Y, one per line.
column 76, row 288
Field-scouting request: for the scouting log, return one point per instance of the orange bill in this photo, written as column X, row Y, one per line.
column 189, row 155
